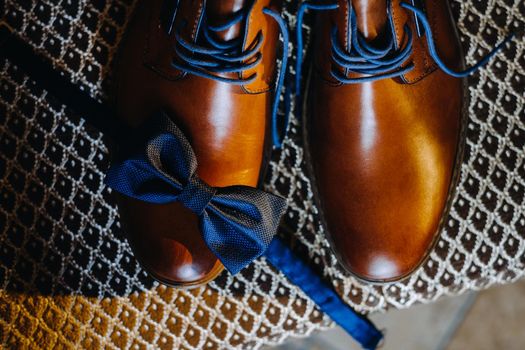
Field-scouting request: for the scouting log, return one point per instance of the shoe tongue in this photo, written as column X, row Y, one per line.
column 219, row 12
column 371, row 17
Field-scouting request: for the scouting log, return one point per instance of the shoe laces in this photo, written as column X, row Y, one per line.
column 211, row 56
column 376, row 62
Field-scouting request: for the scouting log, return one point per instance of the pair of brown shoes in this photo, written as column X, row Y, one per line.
column 383, row 121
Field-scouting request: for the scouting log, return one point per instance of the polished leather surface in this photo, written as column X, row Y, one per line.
column 225, row 124
column 384, row 152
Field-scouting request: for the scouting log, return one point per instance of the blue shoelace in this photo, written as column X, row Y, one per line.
column 376, row 63
column 214, row 57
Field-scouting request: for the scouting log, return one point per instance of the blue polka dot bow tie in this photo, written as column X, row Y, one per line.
column 237, row 222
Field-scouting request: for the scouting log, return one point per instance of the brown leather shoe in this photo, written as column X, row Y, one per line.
column 384, row 132
column 226, row 121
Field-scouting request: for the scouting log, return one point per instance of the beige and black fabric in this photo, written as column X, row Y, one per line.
column 67, row 276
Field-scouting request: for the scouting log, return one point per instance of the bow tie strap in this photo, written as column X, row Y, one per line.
column 237, row 222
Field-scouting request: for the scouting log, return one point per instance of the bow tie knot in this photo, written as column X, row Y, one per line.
column 196, row 195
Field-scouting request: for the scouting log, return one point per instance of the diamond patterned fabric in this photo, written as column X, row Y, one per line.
column 67, row 275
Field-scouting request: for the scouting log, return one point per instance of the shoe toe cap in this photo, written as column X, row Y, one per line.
column 166, row 240
column 384, row 250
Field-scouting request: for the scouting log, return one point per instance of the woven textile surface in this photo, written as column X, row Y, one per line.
column 69, row 280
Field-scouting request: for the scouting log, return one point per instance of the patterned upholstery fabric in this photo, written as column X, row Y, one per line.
column 68, row 278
